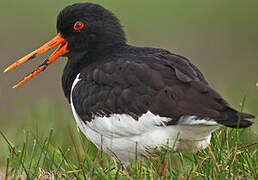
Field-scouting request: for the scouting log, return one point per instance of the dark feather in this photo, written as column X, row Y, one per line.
column 135, row 80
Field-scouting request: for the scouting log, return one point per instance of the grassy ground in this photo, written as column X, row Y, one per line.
column 64, row 153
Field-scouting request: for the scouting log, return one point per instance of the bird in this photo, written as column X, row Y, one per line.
column 130, row 100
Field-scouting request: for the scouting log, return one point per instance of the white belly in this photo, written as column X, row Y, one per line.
column 119, row 139
column 119, row 134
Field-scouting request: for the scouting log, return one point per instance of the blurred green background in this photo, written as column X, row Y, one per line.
column 220, row 37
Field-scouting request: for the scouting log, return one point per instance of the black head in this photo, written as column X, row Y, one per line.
column 89, row 27
column 85, row 31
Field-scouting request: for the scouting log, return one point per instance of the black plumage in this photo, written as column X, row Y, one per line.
column 134, row 80
column 117, row 78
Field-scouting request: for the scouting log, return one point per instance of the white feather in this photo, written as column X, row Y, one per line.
column 118, row 134
column 193, row 120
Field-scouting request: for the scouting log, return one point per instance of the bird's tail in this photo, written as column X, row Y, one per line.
column 234, row 119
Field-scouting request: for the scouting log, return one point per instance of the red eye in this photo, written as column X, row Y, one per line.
column 78, row 25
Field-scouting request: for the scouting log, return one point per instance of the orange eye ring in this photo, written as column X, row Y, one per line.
column 78, row 25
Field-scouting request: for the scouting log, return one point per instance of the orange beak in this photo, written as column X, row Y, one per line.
column 61, row 50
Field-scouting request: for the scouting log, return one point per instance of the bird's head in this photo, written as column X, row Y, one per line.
column 80, row 27
column 87, row 26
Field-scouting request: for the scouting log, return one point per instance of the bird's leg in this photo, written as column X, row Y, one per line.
column 164, row 164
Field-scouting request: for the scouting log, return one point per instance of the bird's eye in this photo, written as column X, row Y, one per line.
column 78, row 25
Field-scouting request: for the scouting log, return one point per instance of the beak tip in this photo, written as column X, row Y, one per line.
column 16, row 85
column 7, row 69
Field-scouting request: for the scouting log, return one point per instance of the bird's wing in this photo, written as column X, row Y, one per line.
column 168, row 86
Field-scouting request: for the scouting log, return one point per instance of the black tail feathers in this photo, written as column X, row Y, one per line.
column 234, row 119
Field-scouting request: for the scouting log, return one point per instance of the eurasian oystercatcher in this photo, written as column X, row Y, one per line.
column 122, row 96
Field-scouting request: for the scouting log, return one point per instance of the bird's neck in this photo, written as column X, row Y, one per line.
column 78, row 61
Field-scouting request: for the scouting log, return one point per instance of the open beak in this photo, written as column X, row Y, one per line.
column 61, row 50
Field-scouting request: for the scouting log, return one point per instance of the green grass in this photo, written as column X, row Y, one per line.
column 62, row 151
column 226, row 158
